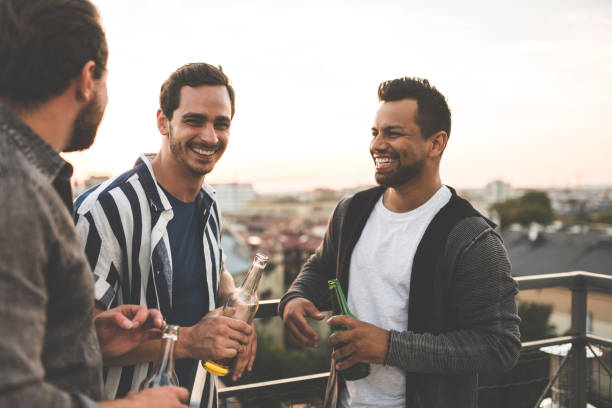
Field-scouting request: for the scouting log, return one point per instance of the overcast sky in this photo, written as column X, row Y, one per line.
column 529, row 85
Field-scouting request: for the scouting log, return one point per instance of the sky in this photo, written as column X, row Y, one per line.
column 529, row 85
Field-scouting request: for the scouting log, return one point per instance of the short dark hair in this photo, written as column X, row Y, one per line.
column 193, row 75
column 433, row 114
column 44, row 44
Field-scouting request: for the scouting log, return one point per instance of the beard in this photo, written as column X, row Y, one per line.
column 179, row 151
column 401, row 176
column 86, row 126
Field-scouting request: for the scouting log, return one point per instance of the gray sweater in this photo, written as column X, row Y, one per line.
column 462, row 314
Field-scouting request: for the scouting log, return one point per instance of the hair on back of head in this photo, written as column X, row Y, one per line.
column 44, row 45
column 433, row 112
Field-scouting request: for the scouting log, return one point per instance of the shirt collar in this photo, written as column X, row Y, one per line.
column 34, row 148
column 157, row 198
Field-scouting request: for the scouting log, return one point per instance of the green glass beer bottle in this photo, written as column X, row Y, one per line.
column 340, row 307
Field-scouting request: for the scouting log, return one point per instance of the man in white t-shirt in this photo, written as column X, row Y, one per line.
column 426, row 274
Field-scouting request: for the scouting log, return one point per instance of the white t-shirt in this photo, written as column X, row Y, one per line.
column 379, row 286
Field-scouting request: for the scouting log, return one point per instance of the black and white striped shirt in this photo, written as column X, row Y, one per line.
column 122, row 226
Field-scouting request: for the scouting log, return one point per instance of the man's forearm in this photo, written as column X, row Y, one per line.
column 457, row 352
column 226, row 285
column 486, row 335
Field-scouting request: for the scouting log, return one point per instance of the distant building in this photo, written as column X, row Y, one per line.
column 535, row 252
column 324, row 194
column 497, row 191
column 87, row 184
column 94, row 181
column 237, row 256
column 232, row 197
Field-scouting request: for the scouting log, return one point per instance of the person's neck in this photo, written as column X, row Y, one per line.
column 53, row 121
column 175, row 179
column 411, row 195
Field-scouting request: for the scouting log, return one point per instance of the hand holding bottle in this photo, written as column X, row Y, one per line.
column 214, row 336
column 241, row 304
column 246, row 356
column 363, row 342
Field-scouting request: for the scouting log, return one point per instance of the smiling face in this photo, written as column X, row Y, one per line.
column 398, row 148
column 198, row 133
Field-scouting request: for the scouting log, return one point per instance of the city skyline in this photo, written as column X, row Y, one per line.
column 528, row 85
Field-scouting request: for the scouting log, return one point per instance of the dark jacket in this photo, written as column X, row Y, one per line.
column 462, row 316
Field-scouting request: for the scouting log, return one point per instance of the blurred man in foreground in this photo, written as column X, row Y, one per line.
column 52, row 98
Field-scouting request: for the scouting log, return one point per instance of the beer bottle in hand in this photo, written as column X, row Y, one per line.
column 241, row 304
column 340, row 307
column 163, row 372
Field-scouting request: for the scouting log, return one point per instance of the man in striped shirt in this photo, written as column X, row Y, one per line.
column 152, row 237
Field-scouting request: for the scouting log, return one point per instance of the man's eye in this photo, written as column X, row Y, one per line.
column 222, row 125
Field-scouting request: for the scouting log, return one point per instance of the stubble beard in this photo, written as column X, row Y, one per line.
column 180, row 152
column 86, row 126
column 401, row 176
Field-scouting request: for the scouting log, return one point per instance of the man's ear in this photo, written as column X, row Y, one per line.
column 162, row 123
column 85, row 82
column 438, row 143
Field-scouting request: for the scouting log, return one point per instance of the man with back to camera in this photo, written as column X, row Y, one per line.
column 52, row 98
column 427, row 276
column 153, row 236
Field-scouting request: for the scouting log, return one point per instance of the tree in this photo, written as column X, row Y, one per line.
column 533, row 206
column 604, row 217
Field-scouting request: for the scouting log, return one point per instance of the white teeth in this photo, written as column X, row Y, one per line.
column 203, row 152
column 383, row 160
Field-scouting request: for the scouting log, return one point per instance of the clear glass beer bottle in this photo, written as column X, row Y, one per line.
column 163, row 372
column 241, row 304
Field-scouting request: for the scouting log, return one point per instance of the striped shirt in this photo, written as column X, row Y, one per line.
column 122, row 225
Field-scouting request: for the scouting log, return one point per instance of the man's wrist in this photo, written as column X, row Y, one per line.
column 286, row 299
column 182, row 345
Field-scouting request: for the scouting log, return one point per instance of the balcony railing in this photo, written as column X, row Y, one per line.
column 577, row 364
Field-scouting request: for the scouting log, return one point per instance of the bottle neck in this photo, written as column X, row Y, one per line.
column 251, row 282
column 339, row 301
column 165, row 361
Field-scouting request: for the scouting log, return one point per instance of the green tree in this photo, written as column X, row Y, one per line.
column 533, row 206
column 535, row 321
column 604, row 217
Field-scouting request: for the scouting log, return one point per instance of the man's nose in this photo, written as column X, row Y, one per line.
column 208, row 134
column 378, row 142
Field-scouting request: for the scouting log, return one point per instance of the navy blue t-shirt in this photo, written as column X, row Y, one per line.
column 189, row 290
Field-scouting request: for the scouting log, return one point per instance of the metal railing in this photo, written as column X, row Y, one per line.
column 574, row 364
